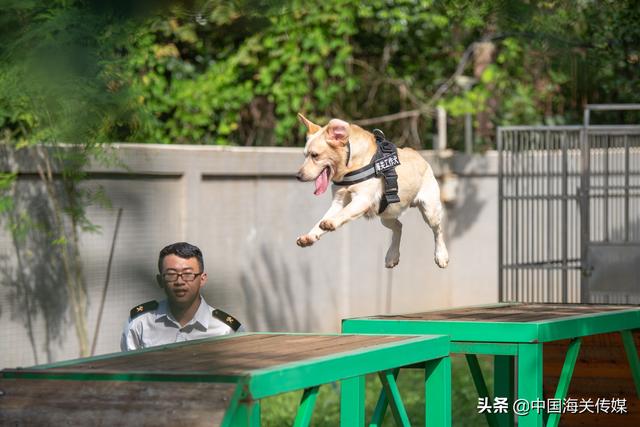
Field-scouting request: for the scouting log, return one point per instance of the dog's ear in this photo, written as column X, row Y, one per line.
column 338, row 133
column 311, row 127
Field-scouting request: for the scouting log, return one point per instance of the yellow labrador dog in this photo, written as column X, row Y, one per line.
column 339, row 149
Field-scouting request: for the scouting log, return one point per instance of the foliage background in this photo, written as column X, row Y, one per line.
column 76, row 75
column 237, row 72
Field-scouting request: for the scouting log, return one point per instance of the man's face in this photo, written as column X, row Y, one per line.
column 180, row 292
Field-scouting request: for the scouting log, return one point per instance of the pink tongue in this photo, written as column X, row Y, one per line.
column 322, row 182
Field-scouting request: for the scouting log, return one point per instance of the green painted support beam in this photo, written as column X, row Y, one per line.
column 565, row 378
column 632, row 356
column 352, row 396
column 592, row 324
column 242, row 411
column 502, row 332
column 307, row 403
column 381, row 407
column 481, row 386
column 437, row 389
column 395, row 401
column 299, row 375
column 491, row 348
column 530, row 385
column 504, row 386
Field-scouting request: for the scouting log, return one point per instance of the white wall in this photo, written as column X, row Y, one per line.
column 244, row 208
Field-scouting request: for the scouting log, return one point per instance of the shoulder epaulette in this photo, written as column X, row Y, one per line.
column 143, row 308
column 228, row 319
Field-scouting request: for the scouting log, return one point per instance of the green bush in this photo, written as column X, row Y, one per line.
column 203, row 72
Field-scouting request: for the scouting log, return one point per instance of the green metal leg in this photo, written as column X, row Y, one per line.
column 437, row 397
column 503, row 386
column 248, row 414
column 395, row 401
column 381, row 406
column 243, row 411
column 565, row 378
column 352, row 394
column 632, row 356
column 481, row 386
column 529, row 385
column 307, row 403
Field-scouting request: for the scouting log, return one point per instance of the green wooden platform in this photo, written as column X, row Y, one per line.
column 514, row 333
column 220, row 381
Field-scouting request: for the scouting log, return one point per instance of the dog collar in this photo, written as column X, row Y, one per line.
column 383, row 164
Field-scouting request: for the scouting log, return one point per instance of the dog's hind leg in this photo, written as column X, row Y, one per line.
column 393, row 253
column 428, row 202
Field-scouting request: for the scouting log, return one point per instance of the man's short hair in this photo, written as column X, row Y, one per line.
column 183, row 250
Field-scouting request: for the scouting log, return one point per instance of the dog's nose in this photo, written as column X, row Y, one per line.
column 299, row 176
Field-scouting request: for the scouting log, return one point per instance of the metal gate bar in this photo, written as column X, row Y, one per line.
column 566, row 194
column 610, row 256
column 536, row 249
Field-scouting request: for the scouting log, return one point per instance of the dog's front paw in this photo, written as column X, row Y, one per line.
column 391, row 261
column 306, row 240
column 327, row 225
column 442, row 258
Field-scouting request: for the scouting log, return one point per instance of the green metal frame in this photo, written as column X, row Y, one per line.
column 481, row 385
column 381, row 406
column 437, row 387
column 632, row 357
column 352, row 397
column 323, row 370
column 508, row 340
column 307, row 403
column 438, row 391
column 565, row 377
column 244, row 409
column 388, row 379
column 504, row 385
column 502, row 332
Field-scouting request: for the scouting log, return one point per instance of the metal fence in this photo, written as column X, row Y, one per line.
column 569, row 212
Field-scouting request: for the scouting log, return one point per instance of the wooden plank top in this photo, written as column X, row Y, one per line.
column 520, row 313
column 505, row 322
column 202, row 374
column 34, row 402
column 260, row 364
column 235, row 355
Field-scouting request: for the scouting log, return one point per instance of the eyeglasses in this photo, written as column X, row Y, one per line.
column 187, row 277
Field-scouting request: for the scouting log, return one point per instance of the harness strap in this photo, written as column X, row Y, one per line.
column 358, row 175
column 383, row 165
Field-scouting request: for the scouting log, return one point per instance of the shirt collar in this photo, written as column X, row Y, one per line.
column 201, row 317
column 203, row 314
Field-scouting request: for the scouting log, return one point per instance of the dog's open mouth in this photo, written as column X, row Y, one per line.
column 322, row 181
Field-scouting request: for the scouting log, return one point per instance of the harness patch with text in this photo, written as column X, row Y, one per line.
column 385, row 163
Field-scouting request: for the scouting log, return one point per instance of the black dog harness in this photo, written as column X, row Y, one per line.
column 383, row 164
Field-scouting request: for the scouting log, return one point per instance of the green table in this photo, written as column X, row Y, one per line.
column 515, row 333
column 220, row 381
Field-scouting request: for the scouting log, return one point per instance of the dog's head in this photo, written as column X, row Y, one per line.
column 325, row 153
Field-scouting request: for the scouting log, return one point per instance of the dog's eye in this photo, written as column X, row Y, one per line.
column 313, row 155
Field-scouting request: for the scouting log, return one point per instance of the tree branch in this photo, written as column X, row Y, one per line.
column 424, row 108
column 389, row 118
